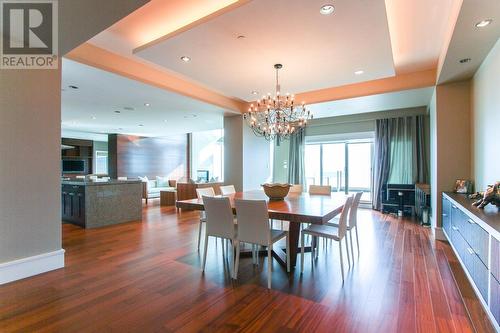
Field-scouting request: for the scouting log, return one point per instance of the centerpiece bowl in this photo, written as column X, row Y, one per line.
column 276, row 191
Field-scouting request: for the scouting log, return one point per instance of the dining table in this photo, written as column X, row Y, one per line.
column 296, row 208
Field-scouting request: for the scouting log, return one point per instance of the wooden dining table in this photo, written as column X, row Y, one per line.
column 296, row 208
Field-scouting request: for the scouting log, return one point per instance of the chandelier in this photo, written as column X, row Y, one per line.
column 277, row 117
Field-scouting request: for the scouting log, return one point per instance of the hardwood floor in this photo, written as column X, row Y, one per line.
column 146, row 277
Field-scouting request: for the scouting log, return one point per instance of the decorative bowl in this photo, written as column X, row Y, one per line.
column 276, row 191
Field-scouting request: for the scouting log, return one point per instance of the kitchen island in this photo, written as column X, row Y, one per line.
column 94, row 204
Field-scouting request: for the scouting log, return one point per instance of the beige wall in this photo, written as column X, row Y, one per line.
column 30, row 120
column 485, row 107
column 451, row 140
column 233, row 151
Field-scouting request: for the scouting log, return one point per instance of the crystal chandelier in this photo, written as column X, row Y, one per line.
column 277, row 117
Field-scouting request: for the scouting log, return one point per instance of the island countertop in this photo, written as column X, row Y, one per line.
column 93, row 183
column 92, row 204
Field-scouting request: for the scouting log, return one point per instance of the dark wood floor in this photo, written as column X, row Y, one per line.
column 146, row 277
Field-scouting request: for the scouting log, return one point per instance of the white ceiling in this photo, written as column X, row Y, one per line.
column 317, row 51
column 373, row 103
column 468, row 41
column 100, row 93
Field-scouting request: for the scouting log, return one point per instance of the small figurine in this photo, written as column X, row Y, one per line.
column 491, row 195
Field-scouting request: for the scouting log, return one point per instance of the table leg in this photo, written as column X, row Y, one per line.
column 294, row 234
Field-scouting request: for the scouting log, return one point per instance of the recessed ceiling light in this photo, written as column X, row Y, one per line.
column 129, row 108
column 185, row 59
column 326, row 9
column 117, row 111
column 464, row 60
column 483, row 23
column 255, row 92
column 73, row 87
column 147, row 104
column 141, row 125
column 241, row 37
column 359, row 72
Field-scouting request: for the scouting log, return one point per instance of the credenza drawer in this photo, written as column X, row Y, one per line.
column 495, row 298
column 495, row 258
column 478, row 239
column 447, row 216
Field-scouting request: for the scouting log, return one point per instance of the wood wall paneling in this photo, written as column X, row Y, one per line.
column 134, row 156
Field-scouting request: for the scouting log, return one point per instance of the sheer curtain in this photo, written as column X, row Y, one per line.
column 296, row 168
column 401, row 155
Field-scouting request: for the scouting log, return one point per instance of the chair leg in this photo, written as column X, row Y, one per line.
column 288, row 252
column 199, row 234
column 302, row 253
column 347, row 251
column 352, row 247
column 357, row 239
column 205, row 252
column 253, row 254
column 269, row 265
column 257, row 255
column 236, row 261
column 341, row 261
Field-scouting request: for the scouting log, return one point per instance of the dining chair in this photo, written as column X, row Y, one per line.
column 320, row 189
column 219, row 223
column 254, row 228
column 296, row 188
column 200, row 192
column 352, row 221
column 329, row 232
column 227, row 189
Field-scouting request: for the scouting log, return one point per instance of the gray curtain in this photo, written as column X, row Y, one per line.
column 401, row 155
column 381, row 160
column 296, row 168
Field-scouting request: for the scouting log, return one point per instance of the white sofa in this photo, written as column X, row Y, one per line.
column 151, row 187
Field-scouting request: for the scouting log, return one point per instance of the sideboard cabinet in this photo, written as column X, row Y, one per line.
column 474, row 235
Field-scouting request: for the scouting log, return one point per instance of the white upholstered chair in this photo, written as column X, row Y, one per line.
column 296, row 188
column 329, row 232
column 219, row 223
column 352, row 221
column 200, row 192
column 227, row 189
column 254, row 228
column 320, row 189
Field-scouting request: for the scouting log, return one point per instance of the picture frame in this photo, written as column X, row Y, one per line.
column 463, row 186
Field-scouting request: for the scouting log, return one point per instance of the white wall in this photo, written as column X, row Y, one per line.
column 256, row 160
column 485, row 106
column 246, row 156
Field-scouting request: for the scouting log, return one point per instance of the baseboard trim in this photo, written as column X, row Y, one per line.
column 439, row 234
column 26, row 267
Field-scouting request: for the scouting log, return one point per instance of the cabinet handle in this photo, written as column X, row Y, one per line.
column 471, row 222
column 471, row 251
column 455, row 228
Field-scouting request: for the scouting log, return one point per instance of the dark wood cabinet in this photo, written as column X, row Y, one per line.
column 73, row 204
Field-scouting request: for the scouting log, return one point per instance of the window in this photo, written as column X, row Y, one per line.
column 207, row 151
column 345, row 166
column 101, row 162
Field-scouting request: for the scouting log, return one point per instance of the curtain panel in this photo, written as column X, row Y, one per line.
column 296, row 167
column 401, row 155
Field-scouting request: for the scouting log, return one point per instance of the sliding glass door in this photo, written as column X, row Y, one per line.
column 345, row 166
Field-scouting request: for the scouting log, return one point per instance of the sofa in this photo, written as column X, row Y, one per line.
column 151, row 187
